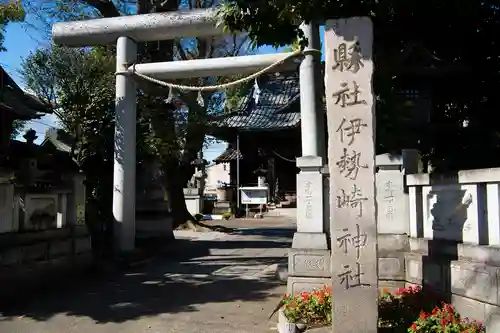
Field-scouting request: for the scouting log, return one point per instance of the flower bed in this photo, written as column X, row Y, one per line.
column 307, row 309
column 410, row 310
column 407, row 310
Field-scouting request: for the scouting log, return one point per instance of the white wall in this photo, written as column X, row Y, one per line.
column 216, row 173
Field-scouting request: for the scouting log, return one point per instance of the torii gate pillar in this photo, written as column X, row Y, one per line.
column 125, row 147
column 309, row 257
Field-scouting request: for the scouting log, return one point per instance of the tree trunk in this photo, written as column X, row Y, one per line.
column 176, row 176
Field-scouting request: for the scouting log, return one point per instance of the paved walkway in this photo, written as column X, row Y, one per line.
column 221, row 283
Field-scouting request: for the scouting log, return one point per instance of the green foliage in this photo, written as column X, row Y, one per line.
column 12, row 11
column 460, row 86
column 227, row 215
column 80, row 83
column 17, row 128
column 311, row 308
column 234, row 94
column 277, row 22
column 294, row 46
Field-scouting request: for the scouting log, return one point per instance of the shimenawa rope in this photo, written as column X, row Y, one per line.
column 224, row 85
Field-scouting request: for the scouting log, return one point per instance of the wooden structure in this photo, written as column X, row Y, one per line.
column 15, row 104
column 267, row 122
column 42, row 200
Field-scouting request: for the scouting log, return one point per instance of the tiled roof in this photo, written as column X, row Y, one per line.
column 228, row 155
column 14, row 99
column 59, row 138
column 277, row 107
column 46, row 159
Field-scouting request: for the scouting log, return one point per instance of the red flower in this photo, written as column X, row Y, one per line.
column 423, row 315
column 399, row 291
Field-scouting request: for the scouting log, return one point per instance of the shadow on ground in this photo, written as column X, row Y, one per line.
column 172, row 283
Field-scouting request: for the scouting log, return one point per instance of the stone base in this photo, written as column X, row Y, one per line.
column 309, row 263
column 390, row 285
column 310, row 240
column 468, row 275
column 299, row 284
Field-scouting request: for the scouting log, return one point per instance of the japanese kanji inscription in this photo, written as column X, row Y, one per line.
column 348, row 129
column 351, row 156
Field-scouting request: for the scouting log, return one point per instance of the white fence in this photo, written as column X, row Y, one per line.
column 462, row 207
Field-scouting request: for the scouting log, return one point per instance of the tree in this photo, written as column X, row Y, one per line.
column 173, row 134
column 179, row 133
column 9, row 12
column 80, row 85
column 460, row 34
column 17, row 127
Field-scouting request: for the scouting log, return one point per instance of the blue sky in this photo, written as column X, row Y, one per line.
column 22, row 38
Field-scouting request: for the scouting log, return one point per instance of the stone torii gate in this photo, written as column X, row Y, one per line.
column 310, row 243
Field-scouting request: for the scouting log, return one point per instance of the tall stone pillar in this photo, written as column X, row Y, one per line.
column 351, row 156
column 309, row 257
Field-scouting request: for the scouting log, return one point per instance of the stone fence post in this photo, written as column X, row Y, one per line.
column 393, row 215
column 309, row 257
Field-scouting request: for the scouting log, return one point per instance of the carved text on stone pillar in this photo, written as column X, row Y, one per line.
column 389, row 198
column 348, row 58
column 349, row 129
column 358, row 240
column 349, row 164
column 308, row 191
column 351, row 152
column 351, row 276
column 347, row 96
column 352, row 200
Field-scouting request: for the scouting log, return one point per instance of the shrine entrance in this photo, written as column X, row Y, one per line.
column 127, row 31
column 311, row 240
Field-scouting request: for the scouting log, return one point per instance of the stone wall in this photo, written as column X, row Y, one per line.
column 31, row 258
column 449, row 241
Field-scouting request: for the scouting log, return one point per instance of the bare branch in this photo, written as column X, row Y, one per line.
column 105, row 7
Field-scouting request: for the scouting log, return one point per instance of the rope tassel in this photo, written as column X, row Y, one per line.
column 200, row 100
column 256, row 91
column 170, row 97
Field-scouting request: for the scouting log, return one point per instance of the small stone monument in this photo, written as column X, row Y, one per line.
column 351, row 156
